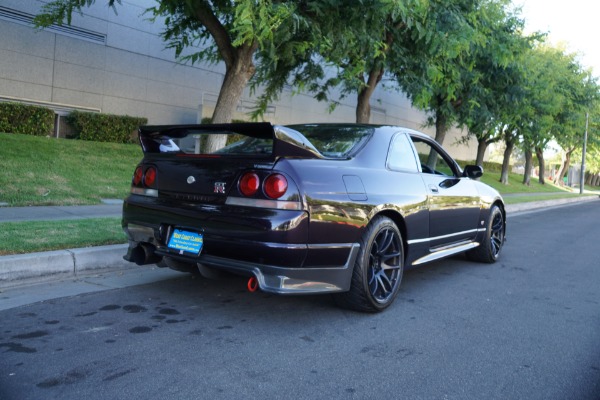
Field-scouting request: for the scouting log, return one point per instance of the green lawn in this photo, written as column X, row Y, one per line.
column 515, row 184
column 34, row 236
column 46, row 171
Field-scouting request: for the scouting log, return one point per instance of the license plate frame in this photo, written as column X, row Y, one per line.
column 186, row 241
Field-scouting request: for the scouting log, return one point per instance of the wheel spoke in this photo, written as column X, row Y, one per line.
column 374, row 284
column 497, row 224
column 387, row 267
column 390, row 255
column 388, row 237
column 385, row 282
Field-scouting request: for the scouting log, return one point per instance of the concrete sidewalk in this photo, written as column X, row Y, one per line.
column 22, row 269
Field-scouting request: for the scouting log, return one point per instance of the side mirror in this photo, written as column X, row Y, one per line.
column 473, row 171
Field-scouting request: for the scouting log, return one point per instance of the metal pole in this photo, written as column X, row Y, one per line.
column 582, row 178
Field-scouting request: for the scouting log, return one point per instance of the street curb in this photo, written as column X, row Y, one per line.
column 20, row 269
column 537, row 205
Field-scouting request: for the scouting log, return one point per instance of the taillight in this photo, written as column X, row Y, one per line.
column 137, row 176
column 249, row 184
column 275, row 186
column 150, row 177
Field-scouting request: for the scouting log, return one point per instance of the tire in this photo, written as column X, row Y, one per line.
column 378, row 268
column 489, row 250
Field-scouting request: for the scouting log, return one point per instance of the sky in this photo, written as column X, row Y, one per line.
column 573, row 22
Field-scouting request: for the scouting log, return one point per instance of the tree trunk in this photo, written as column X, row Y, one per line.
column 596, row 181
column 237, row 75
column 482, row 146
column 506, row 161
column 441, row 126
column 539, row 152
column 564, row 168
column 528, row 165
column 363, row 106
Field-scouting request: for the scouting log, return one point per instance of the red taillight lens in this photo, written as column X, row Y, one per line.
column 150, row 177
column 249, row 184
column 275, row 186
column 137, row 176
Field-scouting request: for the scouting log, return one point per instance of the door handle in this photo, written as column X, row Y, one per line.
column 433, row 188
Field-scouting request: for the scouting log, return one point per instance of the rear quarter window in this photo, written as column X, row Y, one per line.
column 401, row 156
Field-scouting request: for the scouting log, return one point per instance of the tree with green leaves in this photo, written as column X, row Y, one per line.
column 498, row 86
column 214, row 31
column 358, row 41
column 439, row 80
column 580, row 94
column 543, row 102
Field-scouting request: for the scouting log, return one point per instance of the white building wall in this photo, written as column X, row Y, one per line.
column 132, row 73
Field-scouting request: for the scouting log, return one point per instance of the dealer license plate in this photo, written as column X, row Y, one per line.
column 190, row 242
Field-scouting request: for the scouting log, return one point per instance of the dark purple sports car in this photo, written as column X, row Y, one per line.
column 316, row 208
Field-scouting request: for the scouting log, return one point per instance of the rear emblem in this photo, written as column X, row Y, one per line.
column 219, row 187
column 191, row 179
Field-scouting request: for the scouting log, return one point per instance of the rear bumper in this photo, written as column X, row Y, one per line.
column 270, row 245
column 280, row 280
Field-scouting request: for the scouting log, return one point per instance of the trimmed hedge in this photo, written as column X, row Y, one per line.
column 105, row 127
column 488, row 166
column 26, row 119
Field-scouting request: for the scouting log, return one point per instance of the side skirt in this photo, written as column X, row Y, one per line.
column 446, row 251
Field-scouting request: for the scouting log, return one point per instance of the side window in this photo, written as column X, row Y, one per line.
column 432, row 162
column 401, row 156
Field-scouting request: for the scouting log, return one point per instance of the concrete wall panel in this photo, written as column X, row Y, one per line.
column 22, row 39
column 25, row 68
column 25, row 90
column 78, row 78
column 80, row 52
column 123, row 106
column 125, row 86
column 126, row 62
column 77, row 98
column 164, row 93
column 167, row 72
column 124, row 38
column 164, row 114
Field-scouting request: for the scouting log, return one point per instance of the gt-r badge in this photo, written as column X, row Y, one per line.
column 220, row 187
column 191, row 179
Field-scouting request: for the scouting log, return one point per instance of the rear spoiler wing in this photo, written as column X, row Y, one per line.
column 286, row 142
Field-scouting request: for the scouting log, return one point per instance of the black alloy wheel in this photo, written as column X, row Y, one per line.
column 385, row 267
column 378, row 268
column 489, row 249
column 497, row 234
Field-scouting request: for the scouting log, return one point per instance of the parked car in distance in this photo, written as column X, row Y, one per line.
column 307, row 209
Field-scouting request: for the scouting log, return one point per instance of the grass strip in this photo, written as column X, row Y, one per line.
column 46, row 171
column 528, row 199
column 515, row 184
column 35, row 236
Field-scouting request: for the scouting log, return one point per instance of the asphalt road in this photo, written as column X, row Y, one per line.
column 527, row 327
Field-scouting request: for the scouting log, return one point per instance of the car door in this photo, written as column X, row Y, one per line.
column 454, row 205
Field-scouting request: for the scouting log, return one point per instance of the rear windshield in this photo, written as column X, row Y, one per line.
column 335, row 141
column 235, row 144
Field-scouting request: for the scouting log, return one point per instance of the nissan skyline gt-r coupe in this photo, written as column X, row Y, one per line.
column 307, row 209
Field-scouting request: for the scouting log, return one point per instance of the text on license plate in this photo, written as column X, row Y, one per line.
column 187, row 241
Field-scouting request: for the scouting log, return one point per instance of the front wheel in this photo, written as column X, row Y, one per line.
column 489, row 250
column 378, row 268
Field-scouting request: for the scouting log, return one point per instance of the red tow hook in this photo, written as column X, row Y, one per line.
column 252, row 284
